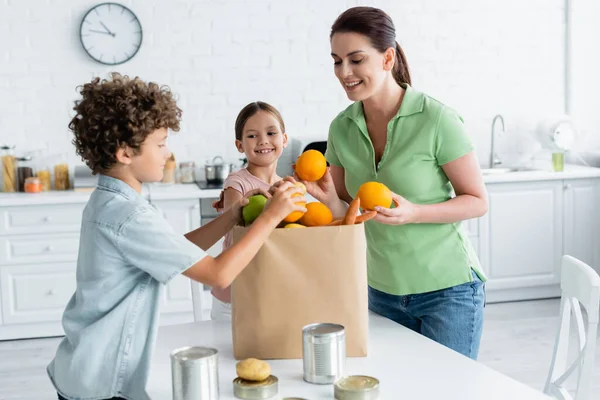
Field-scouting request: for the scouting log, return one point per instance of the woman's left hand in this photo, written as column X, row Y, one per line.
column 404, row 212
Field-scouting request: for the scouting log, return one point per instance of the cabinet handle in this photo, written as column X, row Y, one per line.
column 51, row 292
column 567, row 186
column 50, row 249
column 47, row 218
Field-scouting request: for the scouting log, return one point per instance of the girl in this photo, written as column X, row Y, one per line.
column 260, row 135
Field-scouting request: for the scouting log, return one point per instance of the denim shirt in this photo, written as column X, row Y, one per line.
column 127, row 253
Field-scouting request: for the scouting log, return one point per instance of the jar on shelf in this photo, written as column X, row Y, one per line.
column 24, row 171
column 9, row 168
column 33, row 185
column 61, row 176
column 187, row 172
column 43, row 171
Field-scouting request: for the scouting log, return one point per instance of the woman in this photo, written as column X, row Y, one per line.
column 423, row 271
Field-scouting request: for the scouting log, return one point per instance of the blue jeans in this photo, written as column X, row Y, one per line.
column 452, row 317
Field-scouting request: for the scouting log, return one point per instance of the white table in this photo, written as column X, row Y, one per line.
column 408, row 366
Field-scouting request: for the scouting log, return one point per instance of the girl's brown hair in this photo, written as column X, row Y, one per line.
column 379, row 28
column 252, row 109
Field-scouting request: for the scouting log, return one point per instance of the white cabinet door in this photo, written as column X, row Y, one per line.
column 184, row 216
column 581, row 219
column 523, row 235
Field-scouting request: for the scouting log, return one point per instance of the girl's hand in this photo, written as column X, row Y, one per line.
column 283, row 202
column 404, row 212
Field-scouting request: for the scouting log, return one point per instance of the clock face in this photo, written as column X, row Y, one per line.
column 111, row 33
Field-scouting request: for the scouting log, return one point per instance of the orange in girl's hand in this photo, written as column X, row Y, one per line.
column 317, row 214
column 373, row 194
column 311, row 165
column 296, row 215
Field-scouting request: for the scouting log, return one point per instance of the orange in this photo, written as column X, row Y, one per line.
column 317, row 214
column 311, row 165
column 296, row 215
column 372, row 194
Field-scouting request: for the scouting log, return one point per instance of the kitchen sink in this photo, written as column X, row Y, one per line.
column 505, row 170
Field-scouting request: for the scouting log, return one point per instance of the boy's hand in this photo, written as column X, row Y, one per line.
column 236, row 208
column 283, row 202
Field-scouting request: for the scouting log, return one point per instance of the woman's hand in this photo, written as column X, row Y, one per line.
column 404, row 212
column 322, row 190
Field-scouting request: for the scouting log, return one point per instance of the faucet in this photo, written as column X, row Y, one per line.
column 494, row 160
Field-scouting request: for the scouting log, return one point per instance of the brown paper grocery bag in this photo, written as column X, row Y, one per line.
column 299, row 277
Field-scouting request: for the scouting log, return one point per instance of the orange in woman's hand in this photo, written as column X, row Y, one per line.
column 296, row 215
column 311, row 165
column 373, row 194
column 317, row 214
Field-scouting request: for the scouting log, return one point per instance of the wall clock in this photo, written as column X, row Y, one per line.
column 111, row 33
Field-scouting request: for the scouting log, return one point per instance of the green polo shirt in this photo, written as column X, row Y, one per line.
column 424, row 135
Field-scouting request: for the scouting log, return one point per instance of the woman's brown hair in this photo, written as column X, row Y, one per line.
column 251, row 109
column 118, row 112
column 379, row 28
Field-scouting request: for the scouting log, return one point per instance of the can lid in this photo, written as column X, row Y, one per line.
column 348, row 386
column 251, row 390
column 323, row 329
column 192, row 353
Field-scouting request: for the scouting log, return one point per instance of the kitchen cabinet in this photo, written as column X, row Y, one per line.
column 528, row 227
column 39, row 241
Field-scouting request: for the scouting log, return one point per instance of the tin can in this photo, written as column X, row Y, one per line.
column 323, row 352
column 261, row 390
column 356, row 387
column 195, row 373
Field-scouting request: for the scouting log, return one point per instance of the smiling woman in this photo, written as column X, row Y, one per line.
column 423, row 272
column 111, row 33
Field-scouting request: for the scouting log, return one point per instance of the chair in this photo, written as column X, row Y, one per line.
column 580, row 284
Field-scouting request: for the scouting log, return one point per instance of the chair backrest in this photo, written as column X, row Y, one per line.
column 580, row 285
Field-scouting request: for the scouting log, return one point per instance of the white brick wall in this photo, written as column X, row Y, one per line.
column 482, row 57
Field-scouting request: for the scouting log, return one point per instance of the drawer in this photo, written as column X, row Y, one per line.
column 206, row 208
column 38, row 248
column 36, row 293
column 35, row 219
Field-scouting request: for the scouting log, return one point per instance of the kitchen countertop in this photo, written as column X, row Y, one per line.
column 539, row 171
column 408, row 366
column 156, row 191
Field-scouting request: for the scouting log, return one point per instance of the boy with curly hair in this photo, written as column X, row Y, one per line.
column 127, row 250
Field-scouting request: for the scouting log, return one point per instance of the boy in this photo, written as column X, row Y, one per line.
column 127, row 250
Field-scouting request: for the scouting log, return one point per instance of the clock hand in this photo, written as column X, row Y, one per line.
column 102, row 32
column 107, row 30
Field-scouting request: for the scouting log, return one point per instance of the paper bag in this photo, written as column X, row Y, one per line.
column 299, row 277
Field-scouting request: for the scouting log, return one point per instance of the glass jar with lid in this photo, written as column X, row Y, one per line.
column 9, row 168
column 187, row 172
column 33, row 185
column 25, row 169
